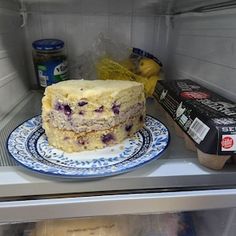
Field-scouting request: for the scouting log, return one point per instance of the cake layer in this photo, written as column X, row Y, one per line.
column 78, row 123
column 70, row 141
column 89, row 100
column 93, row 89
column 80, row 105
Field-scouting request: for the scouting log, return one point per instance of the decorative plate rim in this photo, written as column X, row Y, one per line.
column 90, row 176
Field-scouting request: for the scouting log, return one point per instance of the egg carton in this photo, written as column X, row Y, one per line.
column 205, row 120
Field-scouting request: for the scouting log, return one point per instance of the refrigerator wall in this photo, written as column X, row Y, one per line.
column 13, row 80
column 202, row 48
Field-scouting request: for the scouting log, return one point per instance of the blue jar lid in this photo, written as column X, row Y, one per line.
column 48, row 44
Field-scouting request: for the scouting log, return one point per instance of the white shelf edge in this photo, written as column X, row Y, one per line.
column 151, row 203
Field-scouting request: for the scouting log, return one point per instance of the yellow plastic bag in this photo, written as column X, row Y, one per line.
column 108, row 69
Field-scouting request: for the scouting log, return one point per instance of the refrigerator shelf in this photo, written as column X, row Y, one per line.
column 56, row 208
column 177, row 170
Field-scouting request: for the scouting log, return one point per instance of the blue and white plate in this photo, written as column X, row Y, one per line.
column 28, row 145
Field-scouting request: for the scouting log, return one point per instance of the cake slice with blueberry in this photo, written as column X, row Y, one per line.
column 85, row 115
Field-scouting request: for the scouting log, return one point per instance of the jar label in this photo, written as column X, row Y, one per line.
column 52, row 71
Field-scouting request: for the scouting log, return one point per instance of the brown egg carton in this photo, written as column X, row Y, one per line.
column 215, row 162
column 204, row 119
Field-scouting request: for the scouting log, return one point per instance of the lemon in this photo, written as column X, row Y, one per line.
column 148, row 67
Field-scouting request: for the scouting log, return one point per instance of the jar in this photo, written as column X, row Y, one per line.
column 50, row 61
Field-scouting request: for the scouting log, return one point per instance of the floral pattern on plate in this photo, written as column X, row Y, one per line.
column 28, row 145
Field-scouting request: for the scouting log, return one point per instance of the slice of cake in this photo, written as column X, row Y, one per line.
column 84, row 115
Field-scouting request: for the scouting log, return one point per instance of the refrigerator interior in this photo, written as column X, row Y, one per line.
column 193, row 39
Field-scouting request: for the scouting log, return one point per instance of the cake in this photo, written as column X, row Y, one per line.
column 80, row 115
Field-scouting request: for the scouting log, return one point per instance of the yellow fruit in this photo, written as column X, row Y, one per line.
column 148, row 67
column 109, row 69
